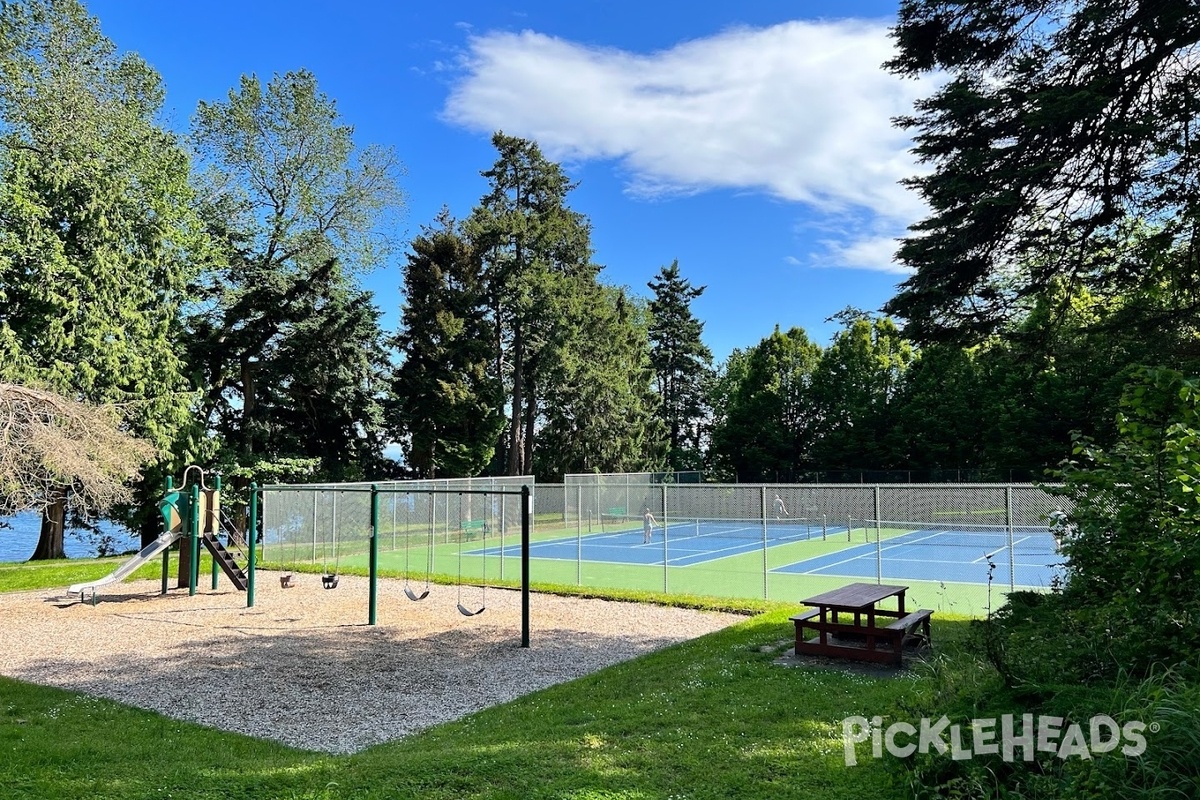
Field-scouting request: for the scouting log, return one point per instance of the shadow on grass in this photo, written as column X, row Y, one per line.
column 713, row 717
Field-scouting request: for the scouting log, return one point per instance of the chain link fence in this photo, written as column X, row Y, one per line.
column 958, row 546
column 446, row 527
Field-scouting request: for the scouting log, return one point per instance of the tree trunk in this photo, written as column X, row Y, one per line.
column 515, row 450
column 530, row 419
column 249, row 406
column 54, row 522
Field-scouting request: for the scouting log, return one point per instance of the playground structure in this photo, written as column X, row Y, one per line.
column 293, row 515
column 191, row 516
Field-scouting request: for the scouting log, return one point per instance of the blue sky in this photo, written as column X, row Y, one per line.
column 750, row 141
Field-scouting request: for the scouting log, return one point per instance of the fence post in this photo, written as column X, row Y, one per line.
column 666, row 551
column 1012, row 555
column 579, row 531
column 762, row 501
column 526, row 500
column 373, row 602
column 252, row 540
column 878, row 545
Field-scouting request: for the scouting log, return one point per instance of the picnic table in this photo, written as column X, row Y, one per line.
column 882, row 631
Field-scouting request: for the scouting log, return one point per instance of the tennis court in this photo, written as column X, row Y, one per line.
column 686, row 542
column 959, row 555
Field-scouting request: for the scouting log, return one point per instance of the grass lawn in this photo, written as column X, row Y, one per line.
column 710, row 718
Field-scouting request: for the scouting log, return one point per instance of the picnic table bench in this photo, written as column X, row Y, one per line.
column 883, row 631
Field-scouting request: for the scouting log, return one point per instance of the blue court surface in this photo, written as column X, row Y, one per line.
column 942, row 555
column 945, row 555
column 686, row 543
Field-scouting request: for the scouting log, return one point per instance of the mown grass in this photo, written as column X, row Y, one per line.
column 712, row 718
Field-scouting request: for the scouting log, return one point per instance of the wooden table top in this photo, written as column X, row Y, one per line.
column 855, row 596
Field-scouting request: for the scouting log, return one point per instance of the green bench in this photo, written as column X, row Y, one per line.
column 473, row 527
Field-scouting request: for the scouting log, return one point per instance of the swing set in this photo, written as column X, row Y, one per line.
column 328, row 540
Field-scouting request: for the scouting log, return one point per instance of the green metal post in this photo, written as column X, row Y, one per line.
column 252, row 540
column 374, row 580
column 194, row 540
column 526, row 502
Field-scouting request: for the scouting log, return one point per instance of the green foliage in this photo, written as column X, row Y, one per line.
column 682, row 365
column 1134, row 538
column 854, row 391
column 536, row 253
column 963, row 686
column 1060, row 128
column 445, row 398
column 766, row 424
column 286, row 345
column 96, row 233
column 600, row 410
column 1119, row 638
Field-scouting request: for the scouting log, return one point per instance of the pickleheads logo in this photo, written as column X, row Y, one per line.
column 1004, row 737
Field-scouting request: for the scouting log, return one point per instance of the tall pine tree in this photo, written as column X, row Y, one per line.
column 534, row 249
column 682, row 365
column 445, row 403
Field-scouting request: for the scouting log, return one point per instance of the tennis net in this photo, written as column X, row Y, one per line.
column 986, row 538
column 785, row 529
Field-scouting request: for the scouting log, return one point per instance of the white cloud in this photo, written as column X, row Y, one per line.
column 869, row 252
column 800, row 111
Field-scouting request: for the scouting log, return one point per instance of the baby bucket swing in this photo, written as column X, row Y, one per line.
column 412, row 595
column 329, row 580
column 466, row 612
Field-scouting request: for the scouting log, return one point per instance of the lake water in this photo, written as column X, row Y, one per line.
column 18, row 540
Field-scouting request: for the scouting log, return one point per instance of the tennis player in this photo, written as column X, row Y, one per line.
column 648, row 523
column 780, row 508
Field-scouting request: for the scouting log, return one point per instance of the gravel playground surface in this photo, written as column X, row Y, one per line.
column 303, row 668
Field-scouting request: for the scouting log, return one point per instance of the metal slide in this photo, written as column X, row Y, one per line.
column 125, row 570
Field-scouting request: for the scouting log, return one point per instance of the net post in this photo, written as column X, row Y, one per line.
column 1012, row 555
column 252, row 540
column 373, row 601
column 824, row 527
column 526, row 501
column 849, row 527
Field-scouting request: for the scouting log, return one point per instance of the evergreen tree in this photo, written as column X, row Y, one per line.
column 1062, row 127
column 445, row 400
column 600, row 410
column 535, row 251
column 682, row 365
column 96, row 233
